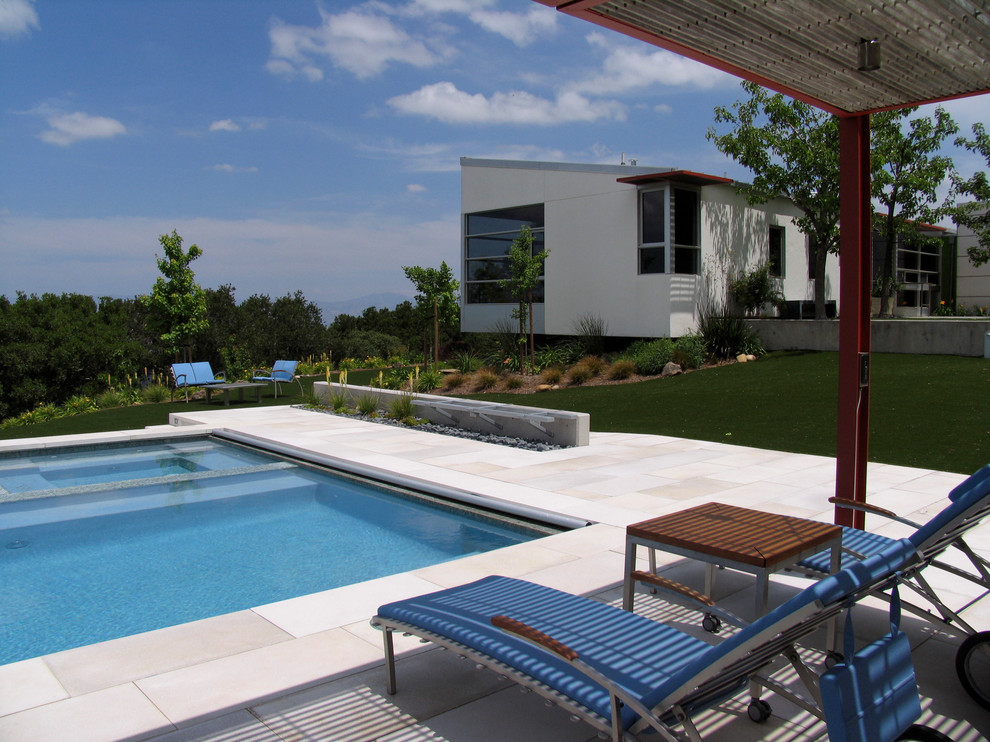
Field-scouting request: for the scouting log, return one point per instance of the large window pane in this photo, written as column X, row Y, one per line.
column 652, row 211
column 487, row 270
column 686, row 217
column 777, row 252
column 687, row 260
column 651, row 260
column 505, row 220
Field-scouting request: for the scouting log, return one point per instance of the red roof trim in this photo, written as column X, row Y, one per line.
column 683, row 176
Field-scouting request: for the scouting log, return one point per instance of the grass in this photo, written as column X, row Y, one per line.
column 926, row 411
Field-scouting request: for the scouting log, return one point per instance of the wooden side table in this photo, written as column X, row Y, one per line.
column 734, row 537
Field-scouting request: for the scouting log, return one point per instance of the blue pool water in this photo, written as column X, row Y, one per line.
column 109, row 562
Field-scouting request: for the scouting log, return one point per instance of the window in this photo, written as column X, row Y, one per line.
column 687, row 231
column 653, row 231
column 776, row 257
column 488, row 237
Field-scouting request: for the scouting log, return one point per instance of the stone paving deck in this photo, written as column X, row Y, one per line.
column 311, row 668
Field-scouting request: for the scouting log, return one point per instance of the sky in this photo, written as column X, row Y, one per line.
column 310, row 146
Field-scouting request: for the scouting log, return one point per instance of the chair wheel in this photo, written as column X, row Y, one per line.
column 710, row 623
column 973, row 667
column 758, row 710
column 833, row 658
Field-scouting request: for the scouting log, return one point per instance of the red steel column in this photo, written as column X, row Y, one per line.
column 855, row 275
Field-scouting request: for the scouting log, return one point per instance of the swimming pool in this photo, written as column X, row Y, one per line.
column 122, row 556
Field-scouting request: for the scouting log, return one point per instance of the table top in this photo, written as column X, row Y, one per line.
column 737, row 534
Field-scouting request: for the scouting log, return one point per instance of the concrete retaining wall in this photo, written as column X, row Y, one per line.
column 952, row 336
column 562, row 429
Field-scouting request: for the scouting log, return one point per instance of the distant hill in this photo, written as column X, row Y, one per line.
column 354, row 307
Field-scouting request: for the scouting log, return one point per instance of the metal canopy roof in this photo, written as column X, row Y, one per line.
column 930, row 50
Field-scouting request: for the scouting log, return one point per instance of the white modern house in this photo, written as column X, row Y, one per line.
column 639, row 247
column 972, row 282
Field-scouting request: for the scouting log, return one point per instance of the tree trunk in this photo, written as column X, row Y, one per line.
column 821, row 256
column 436, row 334
column 532, row 340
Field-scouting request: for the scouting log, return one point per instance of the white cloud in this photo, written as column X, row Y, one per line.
column 225, row 168
column 522, row 28
column 360, row 41
column 225, row 125
column 415, row 188
column 17, row 17
column 444, row 102
column 627, row 68
column 68, row 128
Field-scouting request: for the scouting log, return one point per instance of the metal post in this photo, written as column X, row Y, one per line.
column 855, row 273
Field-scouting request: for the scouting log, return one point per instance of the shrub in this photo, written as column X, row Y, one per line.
column 80, row 404
column 429, row 380
column 595, row 364
column 552, row 375
column 621, row 369
column 590, row 330
column 650, row 356
column 755, row 289
column 452, row 381
column 111, row 398
column 156, row 393
column 486, row 378
column 338, row 401
column 513, row 382
column 367, row 405
column 559, row 354
column 579, row 373
column 401, row 406
column 689, row 351
column 466, row 363
column 725, row 335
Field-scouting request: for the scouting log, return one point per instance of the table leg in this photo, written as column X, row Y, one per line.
column 628, row 586
column 762, row 591
column 710, row 579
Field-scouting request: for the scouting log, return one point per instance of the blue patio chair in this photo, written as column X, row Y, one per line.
column 622, row 672
column 201, row 373
column 284, row 371
column 969, row 503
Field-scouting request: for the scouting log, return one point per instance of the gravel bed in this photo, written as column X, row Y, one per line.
column 501, row 440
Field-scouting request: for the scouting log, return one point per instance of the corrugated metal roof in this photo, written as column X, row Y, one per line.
column 931, row 49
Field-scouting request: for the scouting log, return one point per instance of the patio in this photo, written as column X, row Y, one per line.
column 311, row 667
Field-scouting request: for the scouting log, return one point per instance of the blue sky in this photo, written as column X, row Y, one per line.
column 309, row 146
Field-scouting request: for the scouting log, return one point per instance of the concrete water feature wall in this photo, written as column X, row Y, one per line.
column 559, row 427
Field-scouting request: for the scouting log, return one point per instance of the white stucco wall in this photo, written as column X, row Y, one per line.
column 972, row 283
column 592, row 232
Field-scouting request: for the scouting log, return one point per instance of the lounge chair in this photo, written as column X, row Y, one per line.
column 622, row 672
column 969, row 503
column 284, row 371
column 186, row 375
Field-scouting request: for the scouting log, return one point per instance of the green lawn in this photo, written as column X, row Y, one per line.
column 926, row 411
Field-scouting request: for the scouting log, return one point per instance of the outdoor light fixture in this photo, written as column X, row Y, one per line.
column 869, row 55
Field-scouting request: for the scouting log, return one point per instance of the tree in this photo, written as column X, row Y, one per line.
column 525, row 270
column 177, row 302
column 793, row 150
column 906, row 173
column 437, row 289
column 976, row 213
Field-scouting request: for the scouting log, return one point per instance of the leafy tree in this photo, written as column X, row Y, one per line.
column 906, row 172
column 177, row 302
column 976, row 213
column 525, row 270
column 793, row 150
column 437, row 288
